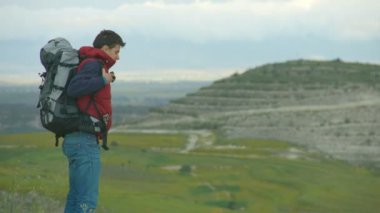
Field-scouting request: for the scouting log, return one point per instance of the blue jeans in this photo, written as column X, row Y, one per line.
column 83, row 154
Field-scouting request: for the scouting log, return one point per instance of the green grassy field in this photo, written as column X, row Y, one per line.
column 147, row 173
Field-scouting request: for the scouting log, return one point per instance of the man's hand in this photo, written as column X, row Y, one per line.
column 113, row 76
column 108, row 76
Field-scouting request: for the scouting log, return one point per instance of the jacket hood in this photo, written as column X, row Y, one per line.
column 91, row 52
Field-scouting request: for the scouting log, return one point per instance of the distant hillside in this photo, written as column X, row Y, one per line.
column 331, row 106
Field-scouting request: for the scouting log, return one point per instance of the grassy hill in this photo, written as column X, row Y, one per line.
column 147, row 172
column 330, row 106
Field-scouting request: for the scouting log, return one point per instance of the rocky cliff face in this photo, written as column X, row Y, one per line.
column 331, row 106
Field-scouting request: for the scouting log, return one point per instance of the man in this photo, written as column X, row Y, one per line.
column 91, row 87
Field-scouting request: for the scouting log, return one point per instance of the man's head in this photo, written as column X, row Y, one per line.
column 110, row 42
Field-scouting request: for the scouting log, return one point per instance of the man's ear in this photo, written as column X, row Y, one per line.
column 105, row 48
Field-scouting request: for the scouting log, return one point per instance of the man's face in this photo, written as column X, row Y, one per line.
column 112, row 52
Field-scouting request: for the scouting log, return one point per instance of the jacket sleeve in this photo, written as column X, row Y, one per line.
column 87, row 81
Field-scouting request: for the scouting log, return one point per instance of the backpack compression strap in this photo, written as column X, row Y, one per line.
column 103, row 131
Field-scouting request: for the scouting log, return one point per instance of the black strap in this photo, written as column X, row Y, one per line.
column 103, row 131
column 92, row 99
column 56, row 140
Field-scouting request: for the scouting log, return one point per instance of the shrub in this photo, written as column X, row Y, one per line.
column 185, row 169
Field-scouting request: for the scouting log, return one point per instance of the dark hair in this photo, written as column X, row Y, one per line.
column 109, row 38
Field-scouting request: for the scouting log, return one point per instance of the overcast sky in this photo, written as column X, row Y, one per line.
column 191, row 39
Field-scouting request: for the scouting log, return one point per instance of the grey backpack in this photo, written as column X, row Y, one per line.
column 58, row 112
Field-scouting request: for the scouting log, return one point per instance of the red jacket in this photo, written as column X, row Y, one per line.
column 89, row 81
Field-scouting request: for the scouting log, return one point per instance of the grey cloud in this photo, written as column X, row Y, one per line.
column 199, row 21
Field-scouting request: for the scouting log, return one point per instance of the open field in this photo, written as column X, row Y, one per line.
column 146, row 172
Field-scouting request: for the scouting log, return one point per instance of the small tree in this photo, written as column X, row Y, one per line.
column 185, row 169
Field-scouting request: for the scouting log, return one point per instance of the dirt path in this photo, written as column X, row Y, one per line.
column 298, row 108
column 195, row 138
